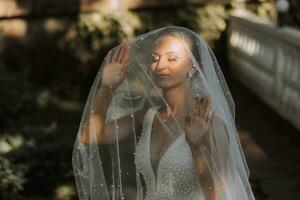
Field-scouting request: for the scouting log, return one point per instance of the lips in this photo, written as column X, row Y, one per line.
column 163, row 75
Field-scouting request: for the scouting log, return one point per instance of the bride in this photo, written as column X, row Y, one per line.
column 159, row 124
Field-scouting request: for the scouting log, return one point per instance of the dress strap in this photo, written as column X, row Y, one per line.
column 148, row 118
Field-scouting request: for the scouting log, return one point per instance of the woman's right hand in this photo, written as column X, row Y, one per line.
column 116, row 66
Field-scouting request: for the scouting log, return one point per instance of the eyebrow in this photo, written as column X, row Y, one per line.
column 169, row 52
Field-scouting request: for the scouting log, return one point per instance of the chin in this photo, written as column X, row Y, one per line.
column 162, row 83
column 166, row 85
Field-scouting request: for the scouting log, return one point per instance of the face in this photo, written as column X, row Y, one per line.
column 170, row 62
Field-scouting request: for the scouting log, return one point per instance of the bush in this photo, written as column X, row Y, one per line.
column 11, row 180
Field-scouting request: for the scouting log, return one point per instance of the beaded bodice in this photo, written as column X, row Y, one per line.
column 176, row 178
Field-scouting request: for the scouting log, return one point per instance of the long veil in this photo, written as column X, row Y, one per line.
column 113, row 159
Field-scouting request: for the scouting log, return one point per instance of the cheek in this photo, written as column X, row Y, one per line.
column 181, row 69
column 151, row 68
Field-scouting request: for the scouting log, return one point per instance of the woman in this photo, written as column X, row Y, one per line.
column 161, row 98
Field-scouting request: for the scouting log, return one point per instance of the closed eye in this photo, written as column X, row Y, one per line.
column 173, row 59
column 154, row 59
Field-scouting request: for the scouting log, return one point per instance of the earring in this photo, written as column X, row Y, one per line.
column 191, row 71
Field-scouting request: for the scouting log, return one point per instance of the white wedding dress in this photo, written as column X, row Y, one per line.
column 176, row 178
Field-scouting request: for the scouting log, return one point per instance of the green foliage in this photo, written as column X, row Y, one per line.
column 212, row 22
column 11, row 180
column 46, row 155
column 35, row 141
column 14, row 105
column 264, row 9
column 99, row 31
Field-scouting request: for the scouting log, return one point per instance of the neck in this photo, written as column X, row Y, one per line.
column 177, row 99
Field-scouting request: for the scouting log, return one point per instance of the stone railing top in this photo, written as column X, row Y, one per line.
column 264, row 26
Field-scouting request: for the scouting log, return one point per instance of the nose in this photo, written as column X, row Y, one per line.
column 161, row 64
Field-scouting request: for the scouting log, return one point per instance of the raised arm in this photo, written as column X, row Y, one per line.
column 114, row 72
column 200, row 124
column 203, row 159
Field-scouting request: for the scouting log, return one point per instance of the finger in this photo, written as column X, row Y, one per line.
column 116, row 53
column 207, row 108
column 200, row 113
column 190, row 118
column 121, row 54
column 113, row 52
column 212, row 116
column 197, row 104
column 200, row 100
column 109, row 56
column 126, row 54
column 193, row 117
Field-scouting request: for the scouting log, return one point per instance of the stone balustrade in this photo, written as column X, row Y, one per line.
column 266, row 59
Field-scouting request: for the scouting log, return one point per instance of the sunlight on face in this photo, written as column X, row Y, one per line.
column 170, row 61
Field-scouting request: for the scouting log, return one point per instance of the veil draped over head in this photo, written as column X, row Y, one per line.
column 135, row 139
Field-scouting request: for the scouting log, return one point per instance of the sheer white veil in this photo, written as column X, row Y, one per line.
column 108, row 170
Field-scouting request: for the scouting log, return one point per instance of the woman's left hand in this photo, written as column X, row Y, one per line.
column 198, row 121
